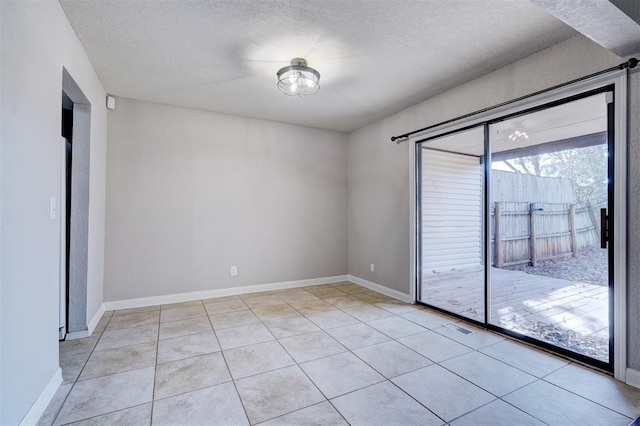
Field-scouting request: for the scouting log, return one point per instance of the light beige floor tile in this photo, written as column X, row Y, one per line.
column 497, row 413
column 323, row 293
column 182, row 304
column 127, row 337
column 259, row 358
column 275, row 393
column 348, row 301
column 51, row 412
column 373, row 297
column 275, row 312
column 477, row 339
column 446, row 395
column 434, row 346
column 261, row 301
column 134, row 416
column 187, row 346
column 530, row 360
column 186, row 375
column 322, row 414
column 213, row 405
column 396, row 307
column 333, row 319
column 350, row 288
column 489, row 374
column 78, row 346
column 287, row 327
column 103, row 395
column 222, row 307
column 72, row 366
column 133, row 320
column 173, row 329
column 367, row 312
column 306, row 347
column 233, row 319
column 392, row 359
column 182, row 313
column 383, row 404
column 357, row 336
column 309, row 307
column 396, row 327
column 110, row 361
column 297, row 296
column 136, row 310
column 556, row 406
column 426, row 319
column 339, row 374
column 244, row 335
column 102, row 324
column 597, row 387
column 221, row 299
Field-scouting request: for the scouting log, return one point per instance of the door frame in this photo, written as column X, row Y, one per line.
column 616, row 79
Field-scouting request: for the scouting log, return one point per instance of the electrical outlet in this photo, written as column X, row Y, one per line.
column 373, row 267
column 234, row 271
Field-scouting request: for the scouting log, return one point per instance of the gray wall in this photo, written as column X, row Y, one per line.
column 37, row 42
column 379, row 169
column 190, row 193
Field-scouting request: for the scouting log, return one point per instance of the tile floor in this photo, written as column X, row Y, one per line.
column 328, row 355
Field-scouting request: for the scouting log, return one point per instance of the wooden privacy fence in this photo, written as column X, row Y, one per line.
column 524, row 232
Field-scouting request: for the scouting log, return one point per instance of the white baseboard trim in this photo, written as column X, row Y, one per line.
column 381, row 289
column 95, row 320
column 207, row 294
column 38, row 407
column 632, row 377
column 90, row 327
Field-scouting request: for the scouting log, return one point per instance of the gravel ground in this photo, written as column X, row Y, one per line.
column 591, row 266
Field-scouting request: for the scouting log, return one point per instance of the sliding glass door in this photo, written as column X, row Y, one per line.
column 451, row 212
column 513, row 219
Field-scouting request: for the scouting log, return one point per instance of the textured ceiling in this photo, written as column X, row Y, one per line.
column 375, row 57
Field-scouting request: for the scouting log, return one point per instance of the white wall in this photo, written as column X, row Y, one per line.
column 379, row 169
column 190, row 193
column 37, row 42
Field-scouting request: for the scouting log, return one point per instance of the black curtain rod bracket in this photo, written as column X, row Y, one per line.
column 630, row 64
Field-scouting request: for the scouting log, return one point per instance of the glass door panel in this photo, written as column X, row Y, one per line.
column 450, row 223
column 550, row 181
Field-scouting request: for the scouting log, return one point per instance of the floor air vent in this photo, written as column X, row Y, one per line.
column 458, row 328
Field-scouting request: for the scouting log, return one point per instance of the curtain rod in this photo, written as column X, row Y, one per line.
column 630, row 64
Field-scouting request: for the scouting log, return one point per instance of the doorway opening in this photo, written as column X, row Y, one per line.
column 65, row 210
column 76, row 170
column 514, row 225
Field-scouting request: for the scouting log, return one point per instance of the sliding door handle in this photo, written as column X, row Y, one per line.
column 604, row 228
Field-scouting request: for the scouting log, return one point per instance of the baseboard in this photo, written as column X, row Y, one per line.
column 632, row 377
column 38, row 407
column 77, row 335
column 95, row 320
column 381, row 289
column 207, row 294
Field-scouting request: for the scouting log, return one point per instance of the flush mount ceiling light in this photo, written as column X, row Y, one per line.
column 298, row 79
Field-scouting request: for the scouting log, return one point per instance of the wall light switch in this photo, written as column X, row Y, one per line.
column 53, row 210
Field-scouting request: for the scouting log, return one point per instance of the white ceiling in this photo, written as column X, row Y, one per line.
column 375, row 57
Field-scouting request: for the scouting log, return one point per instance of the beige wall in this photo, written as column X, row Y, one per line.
column 190, row 193
column 37, row 42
